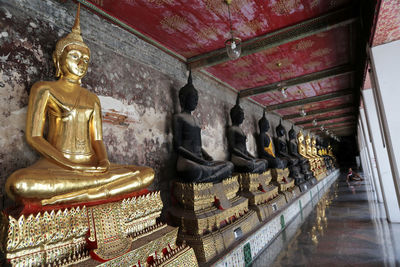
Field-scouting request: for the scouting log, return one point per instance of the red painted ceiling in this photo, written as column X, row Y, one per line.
column 317, row 105
column 342, row 119
column 334, row 127
column 311, row 89
column 311, row 54
column 201, row 26
column 388, row 25
column 324, row 115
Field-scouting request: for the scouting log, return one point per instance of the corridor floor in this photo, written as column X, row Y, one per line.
column 347, row 227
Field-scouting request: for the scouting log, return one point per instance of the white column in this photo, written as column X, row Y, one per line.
column 385, row 65
column 368, row 174
column 371, row 156
column 382, row 159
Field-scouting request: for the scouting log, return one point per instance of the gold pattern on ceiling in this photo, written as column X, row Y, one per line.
column 241, row 75
column 219, row 7
column 161, row 2
column 207, row 33
column 285, row 7
column 244, row 62
column 271, row 51
column 321, row 52
column 314, row 3
column 312, row 64
column 287, row 75
column 253, row 25
column 174, row 22
column 284, row 62
column 303, row 45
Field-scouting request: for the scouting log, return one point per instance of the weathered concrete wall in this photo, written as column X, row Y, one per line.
column 137, row 85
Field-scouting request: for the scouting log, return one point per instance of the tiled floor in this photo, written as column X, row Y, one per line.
column 347, row 227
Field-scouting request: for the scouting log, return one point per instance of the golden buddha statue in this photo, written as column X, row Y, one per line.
column 73, row 167
column 301, row 147
column 318, row 158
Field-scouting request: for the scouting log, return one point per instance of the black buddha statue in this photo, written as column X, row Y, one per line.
column 293, row 151
column 266, row 148
column 240, row 157
column 282, row 152
column 281, row 146
column 194, row 164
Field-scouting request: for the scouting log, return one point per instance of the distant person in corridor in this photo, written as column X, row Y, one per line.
column 353, row 176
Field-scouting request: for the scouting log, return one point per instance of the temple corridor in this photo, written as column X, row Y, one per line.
column 347, row 227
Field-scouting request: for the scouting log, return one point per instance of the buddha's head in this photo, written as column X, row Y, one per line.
column 188, row 96
column 280, row 130
column 71, row 56
column 237, row 114
column 292, row 133
column 263, row 124
column 313, row 141
column 300, row 137
column 308, row 139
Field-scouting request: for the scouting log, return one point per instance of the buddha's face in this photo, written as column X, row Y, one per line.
column 300, row 138
column 74, row 62
column 191, row 101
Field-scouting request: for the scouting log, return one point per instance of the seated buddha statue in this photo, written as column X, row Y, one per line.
column 293, row 150
column 281, row 146
column 266, row 148
column 240, row 157
column 282, row 152
column 64, row 125
column 194, row 164
column 302, row 148
column 315, row 151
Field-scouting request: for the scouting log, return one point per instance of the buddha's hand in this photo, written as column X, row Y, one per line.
column 103, row 165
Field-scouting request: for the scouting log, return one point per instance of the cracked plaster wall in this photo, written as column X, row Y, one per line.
column 136, row 83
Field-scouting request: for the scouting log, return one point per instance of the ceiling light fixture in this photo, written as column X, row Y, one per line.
column 303, row 113
column 314, row 122
column 234, row 44
column 283, row 89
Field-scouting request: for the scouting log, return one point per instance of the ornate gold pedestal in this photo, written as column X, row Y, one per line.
column 211, row 216
column 121, row 233
column 258, row 190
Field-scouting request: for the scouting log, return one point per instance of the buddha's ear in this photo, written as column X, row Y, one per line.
column 56, row 64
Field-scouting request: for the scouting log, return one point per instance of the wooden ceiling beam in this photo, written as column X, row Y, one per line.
column 292, row 33
column 327, row 118
column 312, row 99
column 318, row 112
column 330, row 124
column 315, row 76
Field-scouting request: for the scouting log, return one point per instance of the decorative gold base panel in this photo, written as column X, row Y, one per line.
column 199, row 196
column 208, row 220
column 210, row 245
column 267, row 209
column 183, row 257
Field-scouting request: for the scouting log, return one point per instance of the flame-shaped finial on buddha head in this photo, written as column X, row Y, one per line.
column 300, row 137
column 263, row 123
column 237, row 114
column 292, row 133
column 308, row 139
column 188, row 96
column 73, row 39
column 280, row 130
